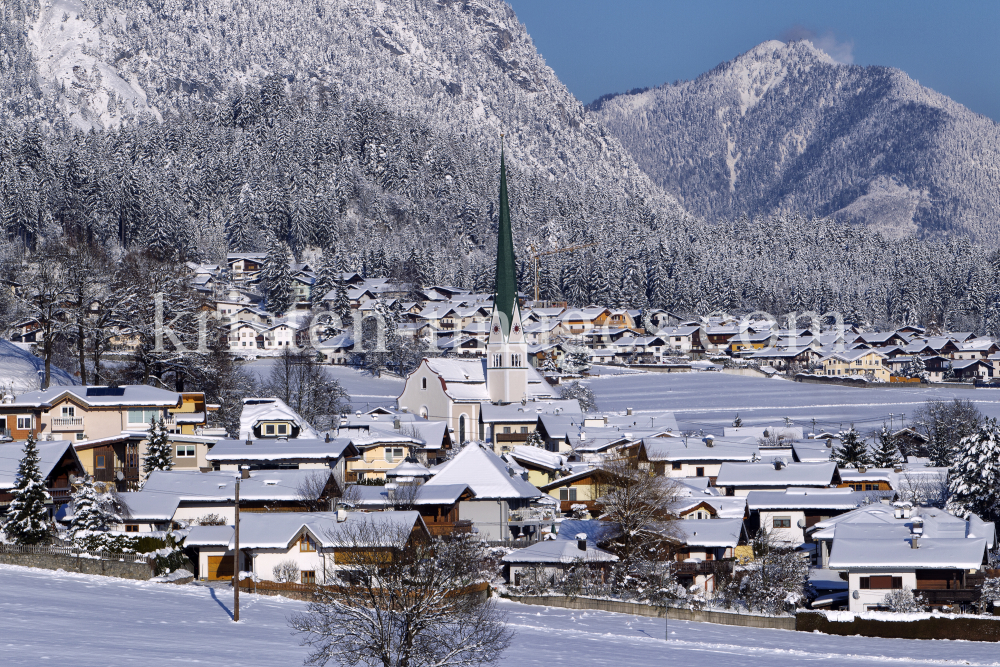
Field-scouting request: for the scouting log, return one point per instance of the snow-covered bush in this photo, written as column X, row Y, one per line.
column 902, row 600
column 774, row 581
column 286, row 572
column 989, row 594
column 211, row 519
column 582, row 393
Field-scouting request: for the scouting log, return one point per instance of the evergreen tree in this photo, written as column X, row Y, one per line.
column 342, row 304
column 89, row 509
column 974, row 479
column 327, row 278
column 277, row 278
column 158, row 449
column 886, row 453
column 853, row 451
column 915, row 368
column 27, row 519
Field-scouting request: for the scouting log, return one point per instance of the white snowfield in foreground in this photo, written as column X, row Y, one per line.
column 87, row 620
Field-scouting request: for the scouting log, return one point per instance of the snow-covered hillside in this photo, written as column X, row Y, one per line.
column 21, row 371
column 164, row 624
column 785, row 127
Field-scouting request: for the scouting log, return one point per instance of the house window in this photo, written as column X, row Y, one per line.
column 24, row 423
column 143, row 415
column 506, row 429
column 269, row 429
column 131, row 528
column 883, row 582
column 309, row 577
column 782, row 522
column 676, row 466
column 282, row 429
column 423, row 383
column 392, row 454
column 68, row 411
column 567, row 494
column 185, row 451
column 99, row 461
column 461, row 428
column 699, row 472
column 81, row 436
column 524, row 429
column 307, row 544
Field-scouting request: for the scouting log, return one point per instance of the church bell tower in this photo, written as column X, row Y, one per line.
column 506, row 349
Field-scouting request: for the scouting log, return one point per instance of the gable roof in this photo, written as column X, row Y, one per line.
column 765, row 474
column 220, row 486
column 559, row 551
column 271, row 409
column 709, row 532
column 50, row 453
column 268, row 449
column 485, row 473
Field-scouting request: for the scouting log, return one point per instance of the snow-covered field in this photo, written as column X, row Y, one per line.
column 49, row 617
column 366, row 391
column 709, row 401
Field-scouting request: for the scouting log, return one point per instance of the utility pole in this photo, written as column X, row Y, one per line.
column 236, row 559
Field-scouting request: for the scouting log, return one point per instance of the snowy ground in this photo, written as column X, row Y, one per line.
column 709, row 401
column 366, row 391
column 94, row 621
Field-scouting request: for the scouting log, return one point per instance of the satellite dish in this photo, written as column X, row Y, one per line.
column 801, row 523
column 120, row 475
column 855, row 595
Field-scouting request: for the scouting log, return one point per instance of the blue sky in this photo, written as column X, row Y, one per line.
column 602, row 46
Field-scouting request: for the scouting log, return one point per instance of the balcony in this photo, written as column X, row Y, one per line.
column 935, row 596
column 460, row 527
column 67, row 423
column 511, row 437
column 704, row 567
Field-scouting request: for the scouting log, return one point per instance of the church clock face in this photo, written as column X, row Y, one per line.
column 517, row 328
column 496, row 328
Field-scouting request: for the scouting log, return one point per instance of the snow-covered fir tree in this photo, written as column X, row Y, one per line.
column 915, row 368
column 974, row 478
column 885, row 454
column 94, row 509
column 276, row 278
column 159, row 454
column 27, row 519
column 853, row 452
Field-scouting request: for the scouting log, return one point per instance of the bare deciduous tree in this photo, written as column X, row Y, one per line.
column 637, row 501
column 286, row 572
column 405, row 601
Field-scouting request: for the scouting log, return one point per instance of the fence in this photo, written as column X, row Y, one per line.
column 674, row 613
column 511, row 544
column 308, row 592
column 48, row 550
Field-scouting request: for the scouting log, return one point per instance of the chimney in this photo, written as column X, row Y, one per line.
column 244, row 472
column 581, row 541
column 341, row 514
column 829, row 443
column 779, row 464
column 327, row 436
column 915, row 542
column 862, row 469
column 249, row 441
column 628, row 411
column 396, row 423
column 710, row 440
column 605, row 420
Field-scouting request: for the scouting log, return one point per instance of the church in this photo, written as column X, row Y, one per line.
column 455, row 390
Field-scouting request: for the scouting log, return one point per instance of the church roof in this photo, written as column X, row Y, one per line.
column 505, row 298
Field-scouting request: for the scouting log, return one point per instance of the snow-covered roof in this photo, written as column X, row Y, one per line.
column 806, row 498
column 485, row 473
column 697, row 449
column 278, row 530
column 766, row 474
column 538, row 457
column 893, row 554
column 150, row 506
column 210, row 536
column 783, row 432
column 512, row 413
column 21, row 371
column 132, row 394
column 377, row 497
column 596, row 531
column 50, row 453
column 709, row 532
column 220, row 486
column 936, row 523
column 409, row 469
column 725, row 507
column 256, row 410
column 269, row 449
column 559, row 551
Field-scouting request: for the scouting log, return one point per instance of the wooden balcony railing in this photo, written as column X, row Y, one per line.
column 948, row 596
column 66, row 423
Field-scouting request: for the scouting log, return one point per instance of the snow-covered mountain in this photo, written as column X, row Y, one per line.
column 310, row 119
column 785, row 128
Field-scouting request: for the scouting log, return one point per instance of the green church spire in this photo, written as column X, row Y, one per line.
column 506, row 279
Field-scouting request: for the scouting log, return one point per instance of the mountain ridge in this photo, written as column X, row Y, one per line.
column 784, row 127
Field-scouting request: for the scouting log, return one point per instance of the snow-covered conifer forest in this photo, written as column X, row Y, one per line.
column 372, row 129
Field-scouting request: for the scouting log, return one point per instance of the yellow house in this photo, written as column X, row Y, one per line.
column 380, row 452
column 576, row 489
column 857, row 363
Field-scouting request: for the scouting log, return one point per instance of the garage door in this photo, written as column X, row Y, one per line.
column 220, row 567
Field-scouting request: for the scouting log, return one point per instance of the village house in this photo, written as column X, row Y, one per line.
column 694, row 457
column 313, row 542
column 739, row 479
column 787, row 514
column 276, row 454
column 704, row 546
column 58, row 465
column 858, row 362
column 579, row 488
column 547, row 561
